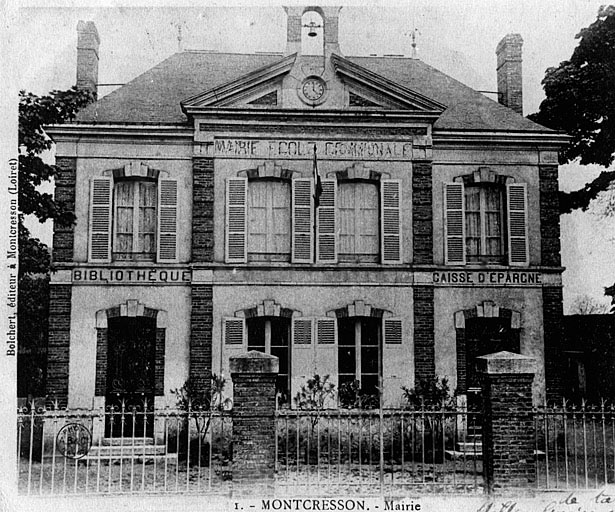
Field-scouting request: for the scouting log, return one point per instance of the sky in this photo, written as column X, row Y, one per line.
column 458, row 38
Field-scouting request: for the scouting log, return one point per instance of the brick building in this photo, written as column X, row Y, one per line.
column 369, row 218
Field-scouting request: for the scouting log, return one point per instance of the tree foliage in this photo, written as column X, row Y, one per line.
column 580, row 100
column 34, row 258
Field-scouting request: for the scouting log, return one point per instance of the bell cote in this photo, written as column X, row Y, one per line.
column 323, row 28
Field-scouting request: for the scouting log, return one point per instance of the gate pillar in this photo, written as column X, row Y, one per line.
column 508, row 421
column 254, row 434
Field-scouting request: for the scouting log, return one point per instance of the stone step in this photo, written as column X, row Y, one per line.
column 470, row 447
column 160, row 458
column 468, row 455
column 126, row 451
column 126, row 441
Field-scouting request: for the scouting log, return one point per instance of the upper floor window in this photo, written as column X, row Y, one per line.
column 357, row 220
column 133, row 217
column 359, row 230
column 486, row 221
column 268, row 220
column 135, row 220
column 485, row 224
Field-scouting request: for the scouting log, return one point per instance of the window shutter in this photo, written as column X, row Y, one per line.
column 326, row 242
column 167, row 220
column 392, row 331
column 100, row 220
column 302, row 360
column 390, row 219
column 303, row 220
column 326, row 350
column 234, row 332
column 395, row 357
column 236, row 232
column 302, row 331
column 454, row 224
column 518, row 250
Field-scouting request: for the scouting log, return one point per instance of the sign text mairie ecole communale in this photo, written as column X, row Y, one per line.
column 304, row 149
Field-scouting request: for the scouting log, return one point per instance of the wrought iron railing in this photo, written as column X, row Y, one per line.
column 116, row 450
column 378, row 451
column 575, row 445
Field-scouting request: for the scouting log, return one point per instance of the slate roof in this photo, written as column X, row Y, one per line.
column 154, row 97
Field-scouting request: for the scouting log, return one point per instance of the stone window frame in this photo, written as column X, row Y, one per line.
column 485, row 309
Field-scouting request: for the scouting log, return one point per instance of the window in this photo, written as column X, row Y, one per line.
column 268, row 220
column 135, row 220
column 358, row 207
column 359, row 352
column 485, row 222
column 271, row 335
column 276, row 220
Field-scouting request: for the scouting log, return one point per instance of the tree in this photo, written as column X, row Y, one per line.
column 580, row 100
column 34, row 258
column 588, row 305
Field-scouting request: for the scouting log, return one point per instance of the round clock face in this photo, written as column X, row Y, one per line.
column 313, row 89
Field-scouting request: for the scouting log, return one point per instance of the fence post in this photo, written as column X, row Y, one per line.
column 254, row 401
column 508, row 423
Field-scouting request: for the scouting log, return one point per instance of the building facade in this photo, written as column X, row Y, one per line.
column 368, row 218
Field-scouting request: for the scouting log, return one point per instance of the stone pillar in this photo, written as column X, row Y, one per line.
column 508, row 423
column 254, row 375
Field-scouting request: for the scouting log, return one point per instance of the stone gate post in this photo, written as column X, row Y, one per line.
column 508, row 423
column 254, row 375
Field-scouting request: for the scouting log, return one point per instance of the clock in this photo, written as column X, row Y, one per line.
column 313, row 88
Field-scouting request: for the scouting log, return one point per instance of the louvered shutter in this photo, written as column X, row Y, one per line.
column 236, row 223
column 302, row 356
column 167, row 220
column 392, row 331
column 100, row 220
column 390, row 220
column 518, row 250
column 395, row 364
column 303, row 220
column 454, row 224
column 234, row 340
column 326, row 241
column 326, row 349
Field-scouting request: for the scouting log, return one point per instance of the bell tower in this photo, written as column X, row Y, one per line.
column 295, row 28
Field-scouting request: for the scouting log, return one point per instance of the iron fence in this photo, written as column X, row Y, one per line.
column 575, row 446
column 123, row 450
column 379, row 451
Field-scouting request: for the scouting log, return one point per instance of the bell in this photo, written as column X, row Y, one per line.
column 312, row 29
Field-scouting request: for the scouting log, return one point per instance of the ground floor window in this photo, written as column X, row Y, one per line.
column 271, row 335
column 359, row 353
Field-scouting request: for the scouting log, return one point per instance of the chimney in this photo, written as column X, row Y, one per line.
column 87, row 56
column 510, row 82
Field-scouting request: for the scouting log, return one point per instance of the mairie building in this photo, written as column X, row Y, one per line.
column 367, row 218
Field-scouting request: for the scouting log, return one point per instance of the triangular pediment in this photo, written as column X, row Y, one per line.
column 365, row 86
column 261, row 88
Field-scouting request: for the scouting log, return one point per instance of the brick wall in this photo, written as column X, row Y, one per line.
column 202, row 209
column 424, row 350
column 100, row 388
column 200, row 335
column 553, row 339
column 509, row 72
column 422, row 213
column 59, row 342
column 159, row 362
column 508, row 431
column 254, row 435
column 64, row 193
column 549, row 216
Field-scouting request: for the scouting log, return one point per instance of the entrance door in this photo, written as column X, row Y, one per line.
column 486, row 336
column 130, row 377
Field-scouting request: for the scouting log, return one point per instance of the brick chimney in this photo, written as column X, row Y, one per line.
column 88, row 42
column 510, row 81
